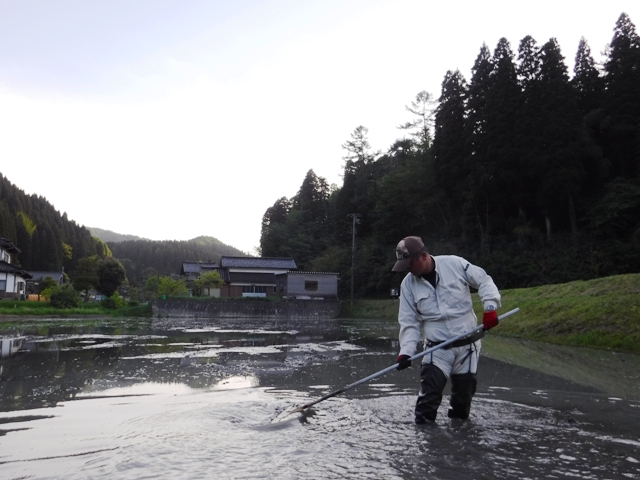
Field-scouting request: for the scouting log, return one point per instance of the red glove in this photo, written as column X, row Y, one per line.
column 490, row 319
column 403, row 362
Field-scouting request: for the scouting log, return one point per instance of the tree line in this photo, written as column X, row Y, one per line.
column 48, row 240
column 523, row 169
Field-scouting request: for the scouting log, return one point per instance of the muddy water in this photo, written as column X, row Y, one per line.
column 192, row 399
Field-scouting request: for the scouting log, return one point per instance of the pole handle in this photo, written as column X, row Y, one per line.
column 479, row 328
column 395, row 365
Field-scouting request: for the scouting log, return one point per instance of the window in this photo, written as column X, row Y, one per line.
column 311, row 286
column 3, row 285
column 254, row 289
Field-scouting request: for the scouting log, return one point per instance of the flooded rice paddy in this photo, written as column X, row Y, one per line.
column 210, row 399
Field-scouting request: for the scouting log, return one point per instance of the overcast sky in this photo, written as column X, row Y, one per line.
column 173, row 119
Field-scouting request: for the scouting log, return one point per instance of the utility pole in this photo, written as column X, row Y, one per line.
column 355, row 217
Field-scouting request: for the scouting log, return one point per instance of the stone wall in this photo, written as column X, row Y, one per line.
column 245, row 308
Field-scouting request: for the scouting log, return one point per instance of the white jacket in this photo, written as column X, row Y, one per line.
column 445, row 311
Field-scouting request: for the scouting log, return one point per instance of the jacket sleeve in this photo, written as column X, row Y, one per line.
column 408, row 319
column 487, row 290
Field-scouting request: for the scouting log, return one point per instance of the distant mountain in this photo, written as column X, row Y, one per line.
column 145, row 258
column 109, row 236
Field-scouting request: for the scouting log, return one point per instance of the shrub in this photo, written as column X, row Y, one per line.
column 113, row 302
column 47, row 292
column 65, row 297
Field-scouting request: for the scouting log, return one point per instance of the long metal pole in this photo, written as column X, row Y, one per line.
column 354, row 217
column 353, row 253
column 395, row 365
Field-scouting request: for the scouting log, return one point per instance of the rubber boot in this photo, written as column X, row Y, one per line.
column 463, row 387
column 431, row 386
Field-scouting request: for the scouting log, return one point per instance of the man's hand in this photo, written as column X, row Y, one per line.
column 490, row 319
column 403, row 362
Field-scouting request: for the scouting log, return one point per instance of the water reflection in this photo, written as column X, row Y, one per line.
column 10, row 345
column 56, row 362
column 233, row 383
column 202, row 400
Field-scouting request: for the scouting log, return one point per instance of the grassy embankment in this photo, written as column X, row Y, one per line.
column 602, row 313
column 27, row 308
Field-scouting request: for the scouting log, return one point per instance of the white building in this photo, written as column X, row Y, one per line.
column 13, row 279
column 307, row 285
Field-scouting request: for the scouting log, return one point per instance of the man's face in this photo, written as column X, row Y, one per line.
column 419, row 264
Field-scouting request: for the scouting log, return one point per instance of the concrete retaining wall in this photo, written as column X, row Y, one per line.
column 189, row 308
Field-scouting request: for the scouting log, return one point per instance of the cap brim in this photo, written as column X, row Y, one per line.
column 401, row 265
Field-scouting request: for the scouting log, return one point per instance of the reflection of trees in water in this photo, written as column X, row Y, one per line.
column 97, row 357
column 46, row 376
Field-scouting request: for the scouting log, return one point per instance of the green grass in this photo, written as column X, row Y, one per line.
column 26, row 308
column 602, row 313
column 383, row 309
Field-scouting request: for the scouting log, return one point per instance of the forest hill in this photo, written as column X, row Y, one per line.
column 529, row 173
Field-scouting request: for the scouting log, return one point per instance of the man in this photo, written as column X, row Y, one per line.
column 435, row 299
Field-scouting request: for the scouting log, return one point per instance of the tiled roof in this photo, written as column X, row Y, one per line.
column 57, row 276
column 8, row 245
column 297, row 272
column 258, row 262
column 197, row 267
column 8, row 268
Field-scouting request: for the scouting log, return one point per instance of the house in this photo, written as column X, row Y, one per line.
column 13, row 279
column 192, row 270
column 253, row 276
column 34, row 285
column 264, row 276
column 307, row 285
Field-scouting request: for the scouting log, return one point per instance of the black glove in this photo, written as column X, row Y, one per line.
column 403, row 362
